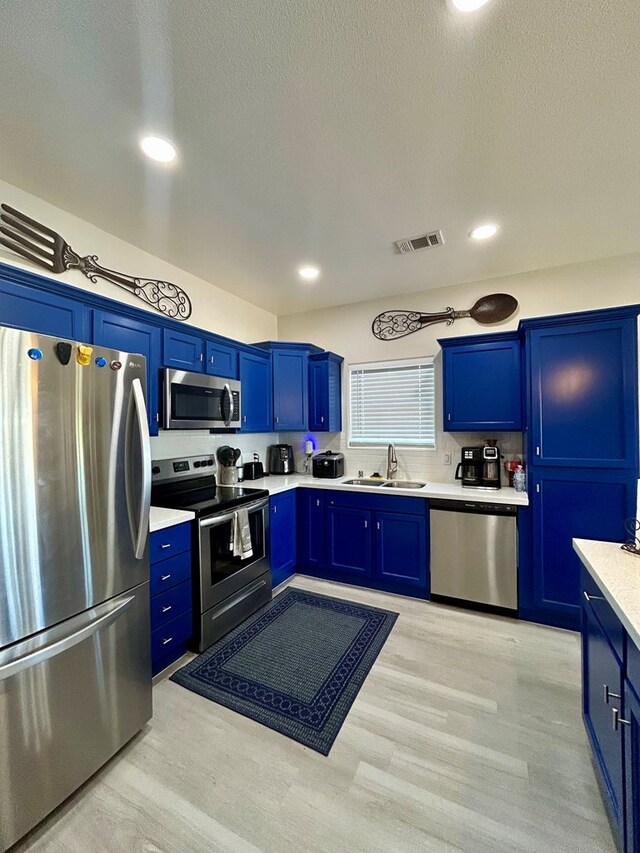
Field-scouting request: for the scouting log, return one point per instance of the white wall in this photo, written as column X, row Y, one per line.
column 347, row 331
column 214, row 309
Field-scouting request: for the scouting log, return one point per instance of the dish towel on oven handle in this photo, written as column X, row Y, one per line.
column 241, row 535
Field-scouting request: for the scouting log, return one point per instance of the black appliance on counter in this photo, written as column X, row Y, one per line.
column 226, row 589
column 328, row 465
column 479, row 467
column 280, row 459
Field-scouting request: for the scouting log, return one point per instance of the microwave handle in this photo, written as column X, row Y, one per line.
column 227, row 388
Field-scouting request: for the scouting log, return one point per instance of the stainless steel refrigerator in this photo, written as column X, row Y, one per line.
column 75, row 469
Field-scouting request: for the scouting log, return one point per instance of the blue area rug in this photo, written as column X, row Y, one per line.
column 295, row 666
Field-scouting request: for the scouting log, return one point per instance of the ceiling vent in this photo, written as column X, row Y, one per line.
column 426, row 241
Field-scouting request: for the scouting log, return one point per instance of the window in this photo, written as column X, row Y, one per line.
column 392, row 401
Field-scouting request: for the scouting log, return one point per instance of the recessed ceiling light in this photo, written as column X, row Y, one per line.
column 484, row 232
column 469, row 5
column 158, row 149
column 308, row 273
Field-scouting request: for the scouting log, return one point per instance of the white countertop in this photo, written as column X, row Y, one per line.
column 617, row 573
column 159, row 518
column 284, row 482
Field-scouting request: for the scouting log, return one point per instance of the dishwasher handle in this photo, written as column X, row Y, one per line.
column 475, row 507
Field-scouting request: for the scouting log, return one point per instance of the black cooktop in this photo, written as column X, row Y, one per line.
column 203, row 496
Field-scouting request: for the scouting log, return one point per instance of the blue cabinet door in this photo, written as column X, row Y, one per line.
column 631, row 739
column 401, row 548
column 349, row 541
column 325, row 392
column 257, row 396
column 482, row 384
column 571, row 504
column 290, row 389
column 221, row 360
column 283, row 536
column 310, row 518
column 123, row 333
column 601, row 677
column 182, row 351
column 24, row 307
column 584, row 395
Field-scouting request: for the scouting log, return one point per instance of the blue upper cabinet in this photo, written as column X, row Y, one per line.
column 325, row 392
column 24, row 307
column 482, row 383
column 583, row 394
column 257, row 394
column 128, row 335
column 182, row 351
column 290, row 385
column 221, row 360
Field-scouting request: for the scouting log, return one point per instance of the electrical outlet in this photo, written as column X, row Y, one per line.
column 446, row 458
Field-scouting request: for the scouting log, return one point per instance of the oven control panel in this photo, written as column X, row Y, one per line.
column 190, row 466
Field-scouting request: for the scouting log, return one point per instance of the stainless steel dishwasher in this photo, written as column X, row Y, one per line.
column 474, row 552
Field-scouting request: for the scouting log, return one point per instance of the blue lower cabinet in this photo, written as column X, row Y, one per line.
column 311, row 540
column 133, row 336
column 631, row 738
column 171, row 596
column 602, row 684
column 567, row 504
column 401, row 548
column 349, row 541
column 282, row 536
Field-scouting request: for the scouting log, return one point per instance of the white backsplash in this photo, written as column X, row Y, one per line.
column 170, row 444
column 413, row 463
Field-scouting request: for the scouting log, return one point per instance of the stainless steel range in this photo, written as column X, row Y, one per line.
column 230, row 583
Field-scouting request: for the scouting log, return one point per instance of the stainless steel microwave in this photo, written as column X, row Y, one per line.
column 195, row 401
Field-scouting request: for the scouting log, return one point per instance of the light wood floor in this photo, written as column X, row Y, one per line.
column 466, row 735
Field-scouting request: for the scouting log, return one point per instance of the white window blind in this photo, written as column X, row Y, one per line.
column 392, row 401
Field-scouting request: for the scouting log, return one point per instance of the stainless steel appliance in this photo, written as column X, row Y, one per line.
column 196, row 401
column 479, row 467
column 281, row 459
column 474, row 552
column 328, row 465
column 75, row 668
column 227, row 588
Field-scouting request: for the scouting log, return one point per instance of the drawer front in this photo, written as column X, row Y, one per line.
column 172, row 540
column 169, row 604
column 170, row 573
column 380, row 501
column 174, row 633
column 610, row 623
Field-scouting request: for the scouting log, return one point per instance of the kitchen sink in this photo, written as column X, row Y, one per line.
column 403, row 484
column 366, row 481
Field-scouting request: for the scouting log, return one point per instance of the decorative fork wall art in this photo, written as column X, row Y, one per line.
column 48, row 249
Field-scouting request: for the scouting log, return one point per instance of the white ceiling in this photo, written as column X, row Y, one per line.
column 322, row 130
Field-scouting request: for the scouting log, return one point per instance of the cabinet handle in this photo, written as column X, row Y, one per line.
column 592, row 597
column 201, row 357
column 317, row 501
column 277, row 419
column 211, row 360
column 275, row 509
column 449, row 416
column 164, row 642
column 165, row 577
column 538, row 488
column 537, row 451
column 244, row 419
column 366, row 523
column 321, row 419
column 608, row 694
column 166, row 546
column 157, row 417
column 167, row 609
column 378, row 525
column 616, row 719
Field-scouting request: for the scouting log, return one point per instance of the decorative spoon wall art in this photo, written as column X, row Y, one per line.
column 391, row 325
column 45, row 247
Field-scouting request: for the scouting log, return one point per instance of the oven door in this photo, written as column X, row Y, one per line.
column 222, row 574
column 193, row 401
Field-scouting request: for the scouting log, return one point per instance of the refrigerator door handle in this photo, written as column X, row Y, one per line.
column 13, row 662
column 140, row 526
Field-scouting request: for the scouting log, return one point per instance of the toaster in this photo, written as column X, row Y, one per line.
column 328, row 465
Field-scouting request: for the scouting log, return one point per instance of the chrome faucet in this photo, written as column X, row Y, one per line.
column 392, row 462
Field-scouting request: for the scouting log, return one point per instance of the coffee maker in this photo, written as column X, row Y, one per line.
column 479, row 467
